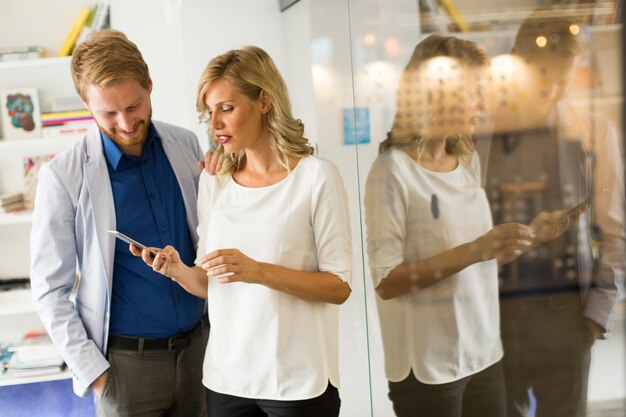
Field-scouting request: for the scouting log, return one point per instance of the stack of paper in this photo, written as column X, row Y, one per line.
column 35, row 355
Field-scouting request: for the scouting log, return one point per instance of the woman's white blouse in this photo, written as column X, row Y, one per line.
column 451, row 329
column 264, row 343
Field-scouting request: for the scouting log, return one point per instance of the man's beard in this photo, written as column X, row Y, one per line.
column 124, row 142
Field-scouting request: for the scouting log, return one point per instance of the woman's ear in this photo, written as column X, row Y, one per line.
column 266, row 102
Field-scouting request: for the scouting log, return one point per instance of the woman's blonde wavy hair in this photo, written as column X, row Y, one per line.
column 415, row 104
column 251, row 71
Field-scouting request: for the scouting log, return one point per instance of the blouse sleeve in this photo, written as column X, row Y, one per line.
column 385, row 218
column 331, row 223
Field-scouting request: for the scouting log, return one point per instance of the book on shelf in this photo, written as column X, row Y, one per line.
column 22, row 49
column 97, row 20
column 431, row 17
column 21, row 53
column 12, row 207
column 10, row 198
column 452, row 11
column 33, row 355
column 101, row 18
column 74, row 33
column 65, row 103
column 66, row 129
column 56, row 118
column 66, row 123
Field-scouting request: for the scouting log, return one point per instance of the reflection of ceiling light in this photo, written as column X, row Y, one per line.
column 323, row 78
column 442, row 66
column 392, row 46
column 504, row 65
column 369, row 39
column 574, row 29
column 541, row 41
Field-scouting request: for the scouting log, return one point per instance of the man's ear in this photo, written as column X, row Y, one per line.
column 149, row 85
column 266, row 102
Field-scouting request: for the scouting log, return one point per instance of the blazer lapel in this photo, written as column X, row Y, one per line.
column 183, row 169
column 101, row 197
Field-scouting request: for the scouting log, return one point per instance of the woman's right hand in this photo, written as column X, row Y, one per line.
column 550, row 225
column 212, row 162
column 166, row 262
column 504, row 242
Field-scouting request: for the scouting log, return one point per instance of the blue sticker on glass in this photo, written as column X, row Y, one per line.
column 356, row 125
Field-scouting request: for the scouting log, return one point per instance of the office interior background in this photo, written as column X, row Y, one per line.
column 341, row 60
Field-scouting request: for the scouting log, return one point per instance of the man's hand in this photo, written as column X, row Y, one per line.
column 212, row 163
column 595, row 329
column 98, row 384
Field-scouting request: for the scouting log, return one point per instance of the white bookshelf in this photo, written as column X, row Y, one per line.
column 15, row 302
column 16, row 218
column 52, row 79
column 12, row 380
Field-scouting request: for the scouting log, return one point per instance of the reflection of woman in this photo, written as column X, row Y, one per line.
column 277, row 217
column 431, row 244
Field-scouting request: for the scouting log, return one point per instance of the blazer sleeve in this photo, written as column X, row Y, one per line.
column 608, row 218
column 53, row 276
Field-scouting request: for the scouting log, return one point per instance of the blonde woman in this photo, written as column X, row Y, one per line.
column 274, row 256
column 432, row 248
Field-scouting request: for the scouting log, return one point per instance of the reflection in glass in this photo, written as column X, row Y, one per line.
column 548, row 155
column 431, row 245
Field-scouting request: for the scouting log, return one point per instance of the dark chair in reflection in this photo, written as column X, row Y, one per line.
column 559, row 297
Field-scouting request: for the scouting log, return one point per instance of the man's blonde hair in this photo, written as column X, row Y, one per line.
column 565, row 34
column 251, row 71
column 105, row 58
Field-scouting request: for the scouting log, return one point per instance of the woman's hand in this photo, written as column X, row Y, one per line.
column 231, row 265
column 504, row 242
column 166, row 262
column 212, row 162
column 548, row 226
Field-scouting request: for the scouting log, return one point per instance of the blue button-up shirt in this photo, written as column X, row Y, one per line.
column 149, row 208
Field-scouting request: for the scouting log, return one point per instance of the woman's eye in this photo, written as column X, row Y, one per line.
column 227, row 109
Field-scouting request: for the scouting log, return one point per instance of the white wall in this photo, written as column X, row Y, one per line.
column 36, row 22
column 160, row 40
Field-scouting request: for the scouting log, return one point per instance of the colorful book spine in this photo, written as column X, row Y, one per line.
column 455, row 15
column 70, row 129
column 72, row 36
column 58, row 122
column 65, row 114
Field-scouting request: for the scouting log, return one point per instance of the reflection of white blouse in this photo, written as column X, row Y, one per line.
column 451, row 329
column 264, row 343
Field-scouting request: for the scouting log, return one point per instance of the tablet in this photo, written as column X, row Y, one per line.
column 126, row 239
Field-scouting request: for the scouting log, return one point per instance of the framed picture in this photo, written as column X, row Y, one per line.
column 20, row 113
column 32, row 163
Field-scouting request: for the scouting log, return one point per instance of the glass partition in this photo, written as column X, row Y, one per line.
column 489, row 181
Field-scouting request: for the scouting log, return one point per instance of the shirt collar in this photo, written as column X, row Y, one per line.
column 113, row 153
